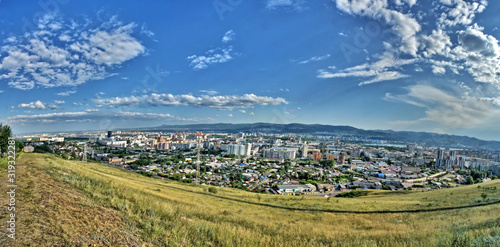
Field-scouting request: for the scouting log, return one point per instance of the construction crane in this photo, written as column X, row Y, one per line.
column 199, row 136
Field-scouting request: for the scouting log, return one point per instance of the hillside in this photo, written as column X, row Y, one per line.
column 422, row 138
column 69, row 203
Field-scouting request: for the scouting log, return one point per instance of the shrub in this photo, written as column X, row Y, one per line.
column 212, row 190
column 352, row 194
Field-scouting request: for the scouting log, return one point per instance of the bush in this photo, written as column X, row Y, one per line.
column 352, row 194
column 212, row 190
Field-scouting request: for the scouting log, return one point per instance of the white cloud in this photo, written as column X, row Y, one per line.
column 243, row 111
column 438, row 70
column 384, row 76
column 445, row 109
column 315, row 59
column 380, row 70
column 229, row 115
column 228, row 36
column 342, row 34
column 403, row 25
column 1, row 91
column 150, row 34
column 59, row 102
column 460, row 12
column 93, row 116
column 208, row 92
column 296, row 5
column 437, row 43
column 59, row 53
column 211, row 57
column 226, row 102
column 66, row 93
column 39, row 105
column 251, row 114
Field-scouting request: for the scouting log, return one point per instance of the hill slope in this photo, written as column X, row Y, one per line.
column 109, row 206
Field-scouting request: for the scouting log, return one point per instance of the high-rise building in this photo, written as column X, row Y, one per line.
column 280, row 153
column 239, row 149
column 304, row 149
column 110, row 134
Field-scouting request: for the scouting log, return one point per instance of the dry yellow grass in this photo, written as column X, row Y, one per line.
column 172, row 214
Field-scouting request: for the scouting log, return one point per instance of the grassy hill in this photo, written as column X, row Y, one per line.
column 67, row 203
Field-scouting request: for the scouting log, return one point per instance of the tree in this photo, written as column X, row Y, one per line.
column 5, row 133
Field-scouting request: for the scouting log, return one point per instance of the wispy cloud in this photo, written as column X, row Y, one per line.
column 382, row 70
column 296, row 5
column 315, row 59
column 62, row 53
column 208, row 92
column 66, row 93
column 447, row 110
column 93, row 116
column 226, row 102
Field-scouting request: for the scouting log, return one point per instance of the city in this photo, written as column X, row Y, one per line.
column 286, row 164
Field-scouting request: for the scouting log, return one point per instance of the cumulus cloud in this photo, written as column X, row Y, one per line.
column 93, row 116
column 66, row 53
column 59, row 102
column 438, row 70
column 445, row 48
column 226, row 102
column 39, row 105
column 437, row 43
column 460, row 12
column 445, row 109
column 403, row 25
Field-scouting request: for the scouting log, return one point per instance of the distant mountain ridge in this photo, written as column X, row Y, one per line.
column 421, row 138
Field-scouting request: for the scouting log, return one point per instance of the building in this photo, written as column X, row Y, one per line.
column 293, row 188
column 316, row 155
column 280, row 153
column 304, row 150
column 28, row 149
column 110, row 134
column 239, row 149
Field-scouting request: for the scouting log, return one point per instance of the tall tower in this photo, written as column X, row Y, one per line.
column 84, row 158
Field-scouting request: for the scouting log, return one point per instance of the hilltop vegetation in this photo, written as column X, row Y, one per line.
column 72, row 203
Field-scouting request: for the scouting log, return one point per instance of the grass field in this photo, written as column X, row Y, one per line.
column 69, row 203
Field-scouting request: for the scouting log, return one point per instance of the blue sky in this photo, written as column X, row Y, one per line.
column 372, row 64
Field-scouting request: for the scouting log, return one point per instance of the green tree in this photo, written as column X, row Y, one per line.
column 5, row 133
